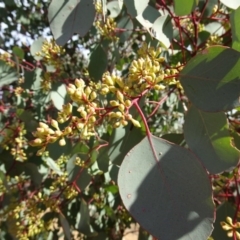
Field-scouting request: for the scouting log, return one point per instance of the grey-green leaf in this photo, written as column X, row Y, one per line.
column 114, row 8
column 234, row 4
column 211, row 80
column 207, row 135
column 8, row 74
column 37, row 47
column 184, row 7
column 163, row 30
column 69, row 17
column 235, row 21
column 135, row 7
column 98, row 63
column 148, row 17
column 165, row 185
column 126, row 24
column 53, row 165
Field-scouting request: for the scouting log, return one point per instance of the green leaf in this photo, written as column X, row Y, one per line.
column 98, row 63
column 163, row 30
column 83, row 224
column 111, row 188
column 37, row 47
column 135, row 7
column 184, row 7
column 114, row 8
column 148, row 17
column 65, row 225
column 18, row 52
column 174, row 138
column 69, row 17
column 58, row 96
column 8, row 74
column 80, row 147
column 235, row 21
column 234, row 4
column 211, row 79
column 236, row 138
column 77, row 174
column 32, row 170
column 207, row 6
column 207, row 135
column 103, row 160
column 122, row 140
column 53, row 166
column 164, row 185
column 126, row 24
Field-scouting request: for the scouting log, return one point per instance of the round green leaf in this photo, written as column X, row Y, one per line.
column 114, row 8
column 208, row 137
column 37, row 47
column 69, row 17
column 234, row 4
column 184, row 7
column 18, row 52
column 211, row 79
column 164, row 185
column 135, row 7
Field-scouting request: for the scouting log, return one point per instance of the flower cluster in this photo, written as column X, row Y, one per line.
column 231, row 227
column 105, row 25
column 51, row 54
column 17, row 146
column 46, row 135
column 108, row 101
column 214, row 40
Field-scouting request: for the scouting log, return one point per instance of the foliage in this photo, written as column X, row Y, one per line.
column 126, row 111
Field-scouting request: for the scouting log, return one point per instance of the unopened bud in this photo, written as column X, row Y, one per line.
column 36, row 142
column 43, row 125
column 136, row 123
column 54, row 124
column 62, row 142
column 120, row 96
column 93, row 95
column 114, row 103
column 128, row 103
column 79, row 83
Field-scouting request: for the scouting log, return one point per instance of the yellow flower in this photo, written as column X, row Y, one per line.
column 231, row 227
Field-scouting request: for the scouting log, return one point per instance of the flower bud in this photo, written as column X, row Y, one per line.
column 120, row 96
column 62, row 142
column 79, row 83
column 54, row 124
column 128, row 103
column 136, row 123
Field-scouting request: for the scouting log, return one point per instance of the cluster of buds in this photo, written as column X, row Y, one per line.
column 231, row 227
column 107, row 28
column 6, row 57
column 214, row 40
column 145, row 73
column 51, row 54
column 46, row 82
column 45, row 135
column 17, row 146
column 188, row 24
column 85, row 97
column 105, row 25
